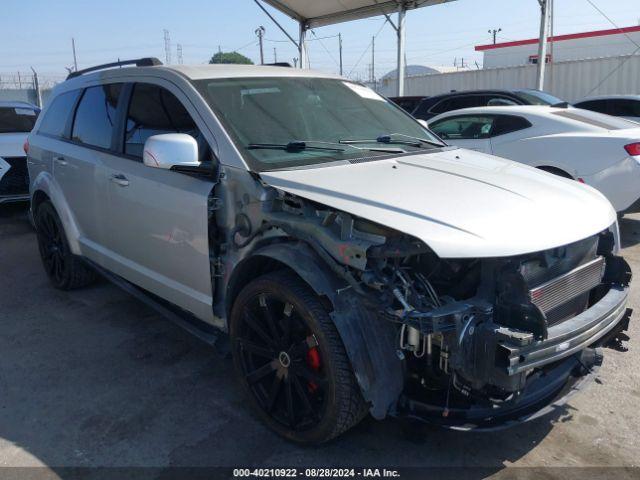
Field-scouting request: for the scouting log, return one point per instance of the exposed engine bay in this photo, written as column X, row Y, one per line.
column 473, row 334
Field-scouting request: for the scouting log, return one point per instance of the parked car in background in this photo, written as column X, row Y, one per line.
column 16, row 121
column 408, row 104
column 432, row 106
column 359, row 264
column 596, row 149
column 627, row 106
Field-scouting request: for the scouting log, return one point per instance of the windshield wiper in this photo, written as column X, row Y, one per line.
column 301, row 145
column 390, row 139
column 292, row 147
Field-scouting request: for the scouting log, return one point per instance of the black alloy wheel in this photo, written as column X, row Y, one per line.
column 291, row 360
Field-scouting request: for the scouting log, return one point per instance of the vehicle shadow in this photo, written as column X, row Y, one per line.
column 94, row 378
column 629, row 230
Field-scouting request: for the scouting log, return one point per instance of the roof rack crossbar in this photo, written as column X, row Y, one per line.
column 139, row 62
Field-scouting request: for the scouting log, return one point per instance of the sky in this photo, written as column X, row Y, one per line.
column 38, row 33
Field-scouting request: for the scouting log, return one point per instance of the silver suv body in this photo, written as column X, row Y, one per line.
column 358, row 263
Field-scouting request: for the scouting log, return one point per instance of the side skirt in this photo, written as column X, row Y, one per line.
column 205, row 332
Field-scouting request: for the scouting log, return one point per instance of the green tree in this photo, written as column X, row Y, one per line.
column 230, row 57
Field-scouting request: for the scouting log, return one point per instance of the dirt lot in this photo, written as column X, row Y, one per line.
column 95, row 378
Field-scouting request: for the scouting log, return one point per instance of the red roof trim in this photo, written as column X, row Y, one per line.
column 559, row 38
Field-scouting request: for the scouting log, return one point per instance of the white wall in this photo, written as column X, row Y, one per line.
column 570, row 81
column 576, row 49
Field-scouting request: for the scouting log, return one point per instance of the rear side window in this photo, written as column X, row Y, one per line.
column 17, row 119
column 153, row 110
column 624, row 108
column 508, row 124
column 96, row 115
column 57, row 115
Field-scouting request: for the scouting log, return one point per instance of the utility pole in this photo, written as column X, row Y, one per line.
column 179, row 52
column 340, row 50
column 275, row 55
column 167, row 47
column 295, row 62
column 542, row 43
column 373, row 60
column 75, row 59
column 260, row 33
column 495, row 32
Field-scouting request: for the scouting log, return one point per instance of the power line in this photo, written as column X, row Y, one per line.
column 613, row 23
column 368, row 47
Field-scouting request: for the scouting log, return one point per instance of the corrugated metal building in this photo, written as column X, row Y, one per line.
column 562, row 48
column 570, row 80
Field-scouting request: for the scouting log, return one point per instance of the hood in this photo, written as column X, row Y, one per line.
column 463, row 204
column 11, row 144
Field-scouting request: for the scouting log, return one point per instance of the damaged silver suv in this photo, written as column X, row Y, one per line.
column 357, row 262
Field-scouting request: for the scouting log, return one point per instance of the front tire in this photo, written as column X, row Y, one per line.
column 290, row 359
column 65, row 270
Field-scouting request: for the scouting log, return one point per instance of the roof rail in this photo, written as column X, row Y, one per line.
column 140, row 62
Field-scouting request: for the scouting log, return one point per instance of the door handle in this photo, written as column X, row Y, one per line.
column 119, row 179
column 60, row 161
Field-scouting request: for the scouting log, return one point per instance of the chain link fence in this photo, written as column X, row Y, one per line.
column 32, row 87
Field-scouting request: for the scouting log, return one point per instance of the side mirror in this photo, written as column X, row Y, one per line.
column 424, row 123
column 170, row 150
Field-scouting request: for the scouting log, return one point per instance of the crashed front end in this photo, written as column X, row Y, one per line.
column 483, row 342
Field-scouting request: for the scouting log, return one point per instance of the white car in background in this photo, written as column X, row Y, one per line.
column 592, row 148
column 627, row 106
column 16, row 121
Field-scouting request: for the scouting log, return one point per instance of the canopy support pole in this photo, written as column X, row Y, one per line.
column 542, row 45
column 402, row 10
column 302, row 45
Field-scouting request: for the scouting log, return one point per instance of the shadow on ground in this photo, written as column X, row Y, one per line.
column 95, row 378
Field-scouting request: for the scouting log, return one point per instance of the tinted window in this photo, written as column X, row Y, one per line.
column 624, row 108
column 508, row 124
column 153, row 111
column 594, row 105
column 470, row 127
column 500, row 101
column 17, row 119
column 456, row 103
column 536, row 97
column 96, row 115
column 57, row 115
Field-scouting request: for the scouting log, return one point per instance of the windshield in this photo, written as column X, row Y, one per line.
column 595, row 119
column 536, row 97
column 285, row 122
column 17, row 119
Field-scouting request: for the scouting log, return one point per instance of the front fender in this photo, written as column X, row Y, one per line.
column 45, row 183
column 370, row 341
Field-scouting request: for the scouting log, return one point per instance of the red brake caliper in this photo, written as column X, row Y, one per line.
column 314, row 362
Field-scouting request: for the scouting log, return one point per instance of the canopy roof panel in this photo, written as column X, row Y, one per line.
column 318, row 13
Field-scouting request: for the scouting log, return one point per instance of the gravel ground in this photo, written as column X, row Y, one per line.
column 95, row 378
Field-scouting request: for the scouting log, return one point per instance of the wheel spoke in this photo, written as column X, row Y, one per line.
column 256, row 349
column 289, row 396
column 271, row 324
column 253, row 324
column 304, row 396
column 259, row 373
column 273, row 392
column 286, row 324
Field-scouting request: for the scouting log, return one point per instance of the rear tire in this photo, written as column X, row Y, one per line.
column 290, row 359
column 65, row 270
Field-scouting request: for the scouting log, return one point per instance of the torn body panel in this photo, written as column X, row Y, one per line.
column 423, row 332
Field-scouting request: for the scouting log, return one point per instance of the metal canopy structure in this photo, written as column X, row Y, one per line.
column 320, row 13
